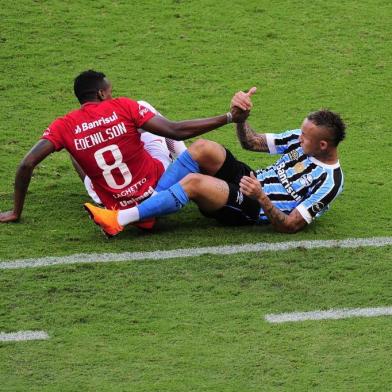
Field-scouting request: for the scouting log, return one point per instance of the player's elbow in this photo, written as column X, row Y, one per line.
column 286, row 229
column 294, row 227
column 290, row 226
column 176, row 135
column 174, row 130
column 27, row 164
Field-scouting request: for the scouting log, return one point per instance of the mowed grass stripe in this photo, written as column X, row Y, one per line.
column 193, row 252
column 332, row 314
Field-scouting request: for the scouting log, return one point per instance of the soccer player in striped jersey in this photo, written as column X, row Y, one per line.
column 297, row 188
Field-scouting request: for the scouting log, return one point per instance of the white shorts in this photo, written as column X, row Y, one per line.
column 156, row 146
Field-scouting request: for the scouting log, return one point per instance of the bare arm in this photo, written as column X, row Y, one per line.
column 281, row 222
column 249, row 139
column 182, row 130
column 79, row 170
column 23, row 176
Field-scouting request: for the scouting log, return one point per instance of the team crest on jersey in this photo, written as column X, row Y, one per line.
column 299, row 167
column 317, row 207
column 306, row 180
column 142, row 110
column 294, row 155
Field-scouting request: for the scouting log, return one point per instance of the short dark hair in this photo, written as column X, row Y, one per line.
column 330, row 120
column 87, row 84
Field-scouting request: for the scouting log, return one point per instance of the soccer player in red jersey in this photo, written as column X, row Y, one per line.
column 163, row 149
column 103, row 137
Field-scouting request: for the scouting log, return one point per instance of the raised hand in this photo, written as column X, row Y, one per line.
column 243, row 100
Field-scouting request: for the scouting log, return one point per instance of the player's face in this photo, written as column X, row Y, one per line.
column 311, row 138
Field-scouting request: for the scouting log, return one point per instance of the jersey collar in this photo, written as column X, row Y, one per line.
column 326, row 165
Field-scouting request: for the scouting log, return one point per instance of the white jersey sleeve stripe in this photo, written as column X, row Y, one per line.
column 304, row 213
column 271, row 143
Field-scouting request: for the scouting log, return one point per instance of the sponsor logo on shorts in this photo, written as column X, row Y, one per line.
column 135, row 200
column 240, row 198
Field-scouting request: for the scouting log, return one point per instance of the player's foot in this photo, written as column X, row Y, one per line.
column 147, row 224
column 105, row 219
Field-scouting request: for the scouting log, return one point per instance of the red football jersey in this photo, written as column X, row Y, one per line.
column 103, row 137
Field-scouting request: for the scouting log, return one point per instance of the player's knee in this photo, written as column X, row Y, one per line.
column 202, row 148
column 208, row 154
column 192, row 184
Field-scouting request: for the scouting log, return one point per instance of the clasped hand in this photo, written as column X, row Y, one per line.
column 241, row 104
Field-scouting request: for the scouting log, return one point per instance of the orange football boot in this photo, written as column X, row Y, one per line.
column 105, row 219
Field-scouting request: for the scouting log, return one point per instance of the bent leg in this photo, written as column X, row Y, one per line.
column 208, row 154
column 202, row 155
column 209, row 193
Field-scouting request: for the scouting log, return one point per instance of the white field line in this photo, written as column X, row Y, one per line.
column 332, row 314
column 192, row 252
column 23, row 335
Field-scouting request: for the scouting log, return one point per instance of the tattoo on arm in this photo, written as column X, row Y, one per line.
column 281, row 221
column 276, row 217
column 249, row 139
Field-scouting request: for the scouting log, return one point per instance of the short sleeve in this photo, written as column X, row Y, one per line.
column 53, row 133
column 279, row 143
column 319, row 201
column 149, row 106
column 139, row 113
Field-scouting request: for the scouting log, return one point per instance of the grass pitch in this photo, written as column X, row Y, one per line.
column 197, row 324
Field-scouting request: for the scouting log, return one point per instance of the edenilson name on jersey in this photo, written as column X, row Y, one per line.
column 100, row 137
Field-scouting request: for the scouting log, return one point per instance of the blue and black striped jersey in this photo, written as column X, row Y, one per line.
column 297, row 180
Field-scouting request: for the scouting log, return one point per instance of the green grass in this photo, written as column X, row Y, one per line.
column 197, row 324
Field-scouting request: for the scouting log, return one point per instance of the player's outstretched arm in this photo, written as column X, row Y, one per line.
column 23, row 176
column 182, row 130
column 281, row 222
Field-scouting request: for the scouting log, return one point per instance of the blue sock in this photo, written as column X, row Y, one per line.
column 165, row 202
column 182, row 166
